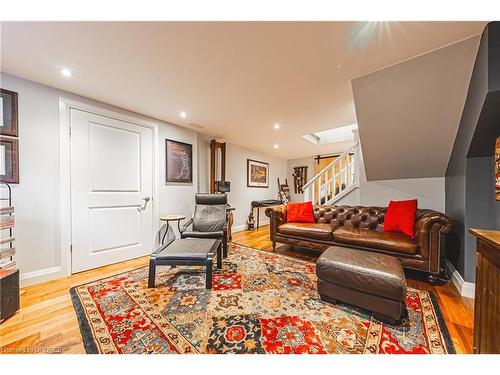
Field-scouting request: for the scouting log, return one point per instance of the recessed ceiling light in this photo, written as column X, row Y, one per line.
column 276, row 146
column 183, row 114
column 276, row 126
column 66, row 72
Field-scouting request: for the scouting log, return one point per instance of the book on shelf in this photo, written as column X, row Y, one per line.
column 6, row 240
column 7, row 210
column 7, row 263
column 6, row 222
column 7, row 252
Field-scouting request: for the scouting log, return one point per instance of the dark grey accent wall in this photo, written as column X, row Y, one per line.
column 479, row 199
column 469, row 176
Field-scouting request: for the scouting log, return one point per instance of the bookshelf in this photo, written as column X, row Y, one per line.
column 9, row 274
column 7, row 224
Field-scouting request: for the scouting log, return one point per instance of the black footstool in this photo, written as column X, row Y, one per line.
column 187, row 252
column 370, row 280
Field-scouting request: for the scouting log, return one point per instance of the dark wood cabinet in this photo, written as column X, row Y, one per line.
column 487, row 299
column 9, row 293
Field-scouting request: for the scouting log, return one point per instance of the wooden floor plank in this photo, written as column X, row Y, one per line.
column 47, row 320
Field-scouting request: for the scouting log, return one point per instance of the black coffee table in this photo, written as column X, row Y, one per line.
column 187, row 252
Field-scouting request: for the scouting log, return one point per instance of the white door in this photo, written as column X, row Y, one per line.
column 111, row 190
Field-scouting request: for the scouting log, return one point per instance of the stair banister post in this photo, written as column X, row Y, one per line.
column 357, row 150
column 334, row 182
column 313, row 192
column 348, row 181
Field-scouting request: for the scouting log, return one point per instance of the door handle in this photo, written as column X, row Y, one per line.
column 146, row 200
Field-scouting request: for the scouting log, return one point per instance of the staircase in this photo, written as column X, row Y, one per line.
column 336, row 180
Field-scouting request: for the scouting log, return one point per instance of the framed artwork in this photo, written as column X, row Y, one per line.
column 257, row 174
column 179, row 162
column 9, row 160
column 497, row 169
column 8, row 113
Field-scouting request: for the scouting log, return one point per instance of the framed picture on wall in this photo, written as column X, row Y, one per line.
column 9, row 160
column 497, row 169
column 257, row 174
column 8, row 113
column 179, row 162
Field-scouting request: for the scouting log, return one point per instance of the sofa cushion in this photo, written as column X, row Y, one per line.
column 315, row 231
column 300, row 212
column 400, row 217
column 369, row 272
column 389, row 241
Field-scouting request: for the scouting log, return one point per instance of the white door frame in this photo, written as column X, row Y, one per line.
column 65, row 105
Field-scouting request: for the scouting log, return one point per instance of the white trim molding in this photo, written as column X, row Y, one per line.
column 243, row 227
column 465, row 288
column 39, row 276
column 238, row 228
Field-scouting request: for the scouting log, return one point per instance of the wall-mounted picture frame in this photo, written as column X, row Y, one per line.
column 8, row 113
column 9, row 160
column 257, row 174
column 179, row 162
column 497, row 169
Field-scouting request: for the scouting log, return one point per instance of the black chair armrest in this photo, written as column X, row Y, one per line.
column 186, row 225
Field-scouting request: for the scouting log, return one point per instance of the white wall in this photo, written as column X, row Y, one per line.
column 36, row 198
column 236, row 172
column 241, row 195
column 176, row 198
column 204, row 163
column 302, row 162
column 430, row 192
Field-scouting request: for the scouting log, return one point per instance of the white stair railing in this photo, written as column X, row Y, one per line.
column 336, row 180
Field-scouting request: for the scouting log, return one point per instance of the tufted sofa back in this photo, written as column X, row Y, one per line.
column 355, row 216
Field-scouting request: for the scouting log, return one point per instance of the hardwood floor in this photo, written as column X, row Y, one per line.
column 46, row 322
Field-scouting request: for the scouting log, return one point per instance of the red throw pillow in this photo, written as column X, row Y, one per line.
column 300, row 212
column 400, row 217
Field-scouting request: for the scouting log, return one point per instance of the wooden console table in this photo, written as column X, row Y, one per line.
column 487, row 299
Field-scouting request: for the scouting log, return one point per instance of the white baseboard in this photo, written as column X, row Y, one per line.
column 465, row 288
column 239, row 228
column 36, row 277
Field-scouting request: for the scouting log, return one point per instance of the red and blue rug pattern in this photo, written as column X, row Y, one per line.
column 260, row 303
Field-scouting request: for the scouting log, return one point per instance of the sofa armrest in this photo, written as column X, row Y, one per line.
column 425, row 219
column 277, row 216
column 430, row 225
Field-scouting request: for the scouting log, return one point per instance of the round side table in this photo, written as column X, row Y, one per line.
column 168, row 219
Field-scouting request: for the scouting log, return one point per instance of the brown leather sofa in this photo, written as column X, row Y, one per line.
column 362, row 228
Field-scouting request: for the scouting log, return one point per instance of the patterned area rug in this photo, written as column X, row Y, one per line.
column 260, row 303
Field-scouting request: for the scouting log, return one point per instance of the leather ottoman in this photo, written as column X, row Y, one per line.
column 373, row 281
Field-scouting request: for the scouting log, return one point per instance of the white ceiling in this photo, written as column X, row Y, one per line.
column 234, row 79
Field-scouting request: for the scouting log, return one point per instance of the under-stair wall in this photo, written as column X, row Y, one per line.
column 430, row 192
